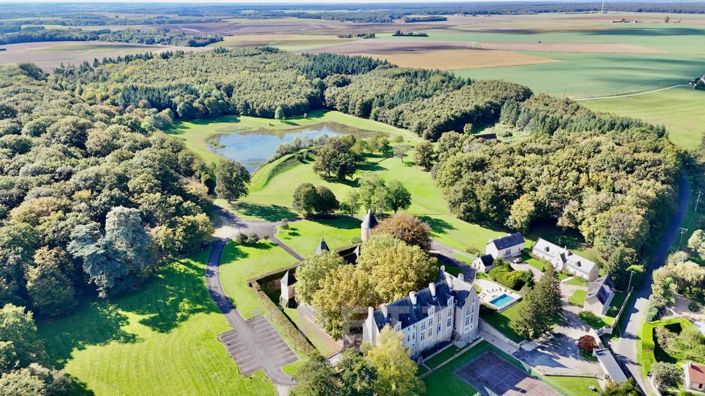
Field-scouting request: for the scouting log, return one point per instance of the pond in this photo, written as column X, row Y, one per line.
column 254, row 148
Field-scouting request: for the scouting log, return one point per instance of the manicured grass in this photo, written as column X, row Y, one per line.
column 442, row 357
column 536, row 263
column 595, row 321
column 578, row 298
column 577, row 281
column 325, row 345
column 616, row 303
column 304, row 236
column 677, row 109
column 572, row 386
column 502, row 321
column 241, row 263
column 157, row 340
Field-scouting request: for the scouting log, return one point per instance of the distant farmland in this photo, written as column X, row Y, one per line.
column 49, row 55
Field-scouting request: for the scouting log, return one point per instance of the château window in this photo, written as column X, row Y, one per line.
column 423, row 336
column 449, row 323
column 439, row 328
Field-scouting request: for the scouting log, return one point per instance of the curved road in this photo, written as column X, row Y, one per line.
column 626, row 346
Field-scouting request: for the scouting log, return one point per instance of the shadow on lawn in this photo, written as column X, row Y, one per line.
column 170, row 297
column 266, row 212
column 438, row 226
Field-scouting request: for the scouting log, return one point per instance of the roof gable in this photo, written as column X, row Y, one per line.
column 508, row 241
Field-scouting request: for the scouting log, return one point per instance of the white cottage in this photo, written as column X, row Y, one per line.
column 563, row 259
column 599, row 296
column 506, row 247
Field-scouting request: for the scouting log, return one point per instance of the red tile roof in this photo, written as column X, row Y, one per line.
column 696, row 372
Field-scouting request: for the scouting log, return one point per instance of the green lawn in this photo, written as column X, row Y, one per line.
column 325, row 345
column 158, row 340
column 502, row 321
column 572, row 386
column 595, row 321
column 577, row 281
column 578, row 297
column 305, row 235
column 616, row 303
column 241, row 263
column 442, row 357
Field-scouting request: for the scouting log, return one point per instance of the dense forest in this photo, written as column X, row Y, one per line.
column 161, row 36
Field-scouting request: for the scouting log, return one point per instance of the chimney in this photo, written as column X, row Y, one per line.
column 370, row 312
column 461, row 277
column 412, row 297
column 385, row 310
column 443, row 268
column 432, row 288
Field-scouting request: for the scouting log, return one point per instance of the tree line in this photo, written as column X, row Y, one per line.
column 161, row 36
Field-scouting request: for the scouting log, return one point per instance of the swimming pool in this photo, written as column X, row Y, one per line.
column 502, row 300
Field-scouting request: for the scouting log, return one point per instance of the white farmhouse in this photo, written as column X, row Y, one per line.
column 563, row 259
column 599, row 296
column 506, row 246
column 446, row 311
column 483, row 263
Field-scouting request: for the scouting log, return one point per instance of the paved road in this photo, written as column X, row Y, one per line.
column 257, row 343
column 625, row 347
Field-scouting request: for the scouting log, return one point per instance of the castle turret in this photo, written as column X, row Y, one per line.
column 322, row 247
column 288, row 294
column 368, row 223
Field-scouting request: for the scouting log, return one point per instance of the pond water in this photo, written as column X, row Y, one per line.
column 253, row 149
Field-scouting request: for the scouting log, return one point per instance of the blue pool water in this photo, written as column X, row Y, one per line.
column 502, row 301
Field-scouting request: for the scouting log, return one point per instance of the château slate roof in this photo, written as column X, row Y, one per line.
column 404, row 312
column 370, row 221
column 322, row 247
column 508, row 241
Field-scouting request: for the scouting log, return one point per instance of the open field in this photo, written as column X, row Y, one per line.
column 456, row 59
column 159, row 339
column 49, row 55
column 679, row 109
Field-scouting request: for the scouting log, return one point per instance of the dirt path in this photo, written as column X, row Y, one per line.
column 618, row 96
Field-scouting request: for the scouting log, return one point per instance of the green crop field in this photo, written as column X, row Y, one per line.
column 157, row 340
column 679, row 109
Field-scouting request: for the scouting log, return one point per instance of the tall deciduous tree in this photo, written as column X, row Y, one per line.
column 305, row 199
column 395, row 268
column 406, row 228
column 313, row 271
column 231, row 180
column 398, row 197
column 19, row 344
column 316, row 378
column 617, row 265
column 50, row 290
column 396, row 372
column 696, row 243
column 424, row 155
column 335, row 158
column 345, row 293
column 357, row 376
